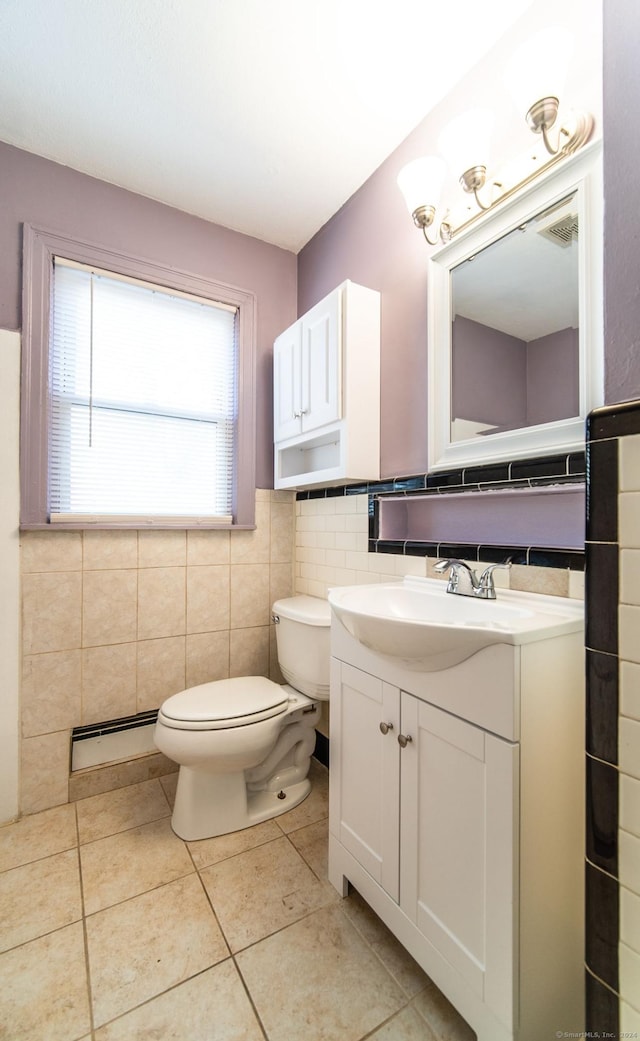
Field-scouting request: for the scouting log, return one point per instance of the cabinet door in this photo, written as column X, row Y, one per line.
column 321, row 364
column 459, row 841
column 287, row 383
column 364, row 776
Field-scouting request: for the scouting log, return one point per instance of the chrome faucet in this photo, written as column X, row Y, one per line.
column 464, row 581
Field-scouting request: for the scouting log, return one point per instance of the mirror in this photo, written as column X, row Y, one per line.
column 515, row 340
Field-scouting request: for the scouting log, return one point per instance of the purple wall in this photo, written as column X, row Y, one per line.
column 489, row 374
column 37, row 191
column 509, row 383
column 553, row 386
column 372, row 238
column 621, row 228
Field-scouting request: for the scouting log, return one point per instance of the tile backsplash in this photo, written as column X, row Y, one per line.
column 332, row 536
column 113, row 622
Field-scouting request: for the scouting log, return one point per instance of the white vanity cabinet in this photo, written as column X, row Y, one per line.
column 466, row 840
column 326, row 380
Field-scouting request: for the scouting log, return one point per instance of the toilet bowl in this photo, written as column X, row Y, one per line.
column 244, row 744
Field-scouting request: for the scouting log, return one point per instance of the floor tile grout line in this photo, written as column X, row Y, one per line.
column 87, row 964
column 154, row 997
column 136, row 896
column 123, row 831
column 209, row 900
column 380, row 959
column 250, row 998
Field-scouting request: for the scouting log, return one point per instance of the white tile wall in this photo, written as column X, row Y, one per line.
column 332, row 537
column 331, row 550
column 629, row 732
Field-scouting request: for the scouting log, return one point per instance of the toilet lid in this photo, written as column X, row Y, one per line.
column 225, row 703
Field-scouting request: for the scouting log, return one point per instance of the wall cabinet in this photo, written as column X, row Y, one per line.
column 465, row 841
column 326, row 377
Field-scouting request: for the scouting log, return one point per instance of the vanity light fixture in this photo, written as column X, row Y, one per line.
column 421, row 180
column 465, row 143
column 536, row 69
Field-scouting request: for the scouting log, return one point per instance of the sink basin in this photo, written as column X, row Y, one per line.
column 416, row 620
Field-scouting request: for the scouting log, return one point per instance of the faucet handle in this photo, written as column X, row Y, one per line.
column 462, row 578
column 486, row 578
column 443, row 565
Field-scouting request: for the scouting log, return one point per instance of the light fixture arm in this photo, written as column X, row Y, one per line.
column 423, row 218
column 576, row 129
column 473, row 180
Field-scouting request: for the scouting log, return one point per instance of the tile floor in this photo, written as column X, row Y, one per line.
column 114, row 929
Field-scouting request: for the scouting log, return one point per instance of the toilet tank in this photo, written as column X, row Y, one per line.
column 303, row 626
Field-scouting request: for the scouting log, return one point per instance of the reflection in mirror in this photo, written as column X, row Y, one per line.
column 514, row 346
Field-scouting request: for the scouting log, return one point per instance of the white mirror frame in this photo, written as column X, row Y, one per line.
column 581, row 173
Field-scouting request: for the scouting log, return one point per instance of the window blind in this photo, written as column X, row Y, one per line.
column 143, row 400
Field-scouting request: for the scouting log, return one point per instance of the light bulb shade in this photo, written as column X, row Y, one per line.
column 465, row 141
column 538, row 68
column 421, row 180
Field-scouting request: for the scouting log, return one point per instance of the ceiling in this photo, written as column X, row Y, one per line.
column 261, row 115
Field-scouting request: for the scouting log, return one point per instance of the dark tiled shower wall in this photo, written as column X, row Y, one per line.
column 605, row 428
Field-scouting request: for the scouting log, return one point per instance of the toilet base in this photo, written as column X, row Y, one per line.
column 208, row 805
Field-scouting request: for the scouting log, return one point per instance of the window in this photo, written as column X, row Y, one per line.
column 137, row 393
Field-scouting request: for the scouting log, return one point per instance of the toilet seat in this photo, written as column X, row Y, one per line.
column 222, row 704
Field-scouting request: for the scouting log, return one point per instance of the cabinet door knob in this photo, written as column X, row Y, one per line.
column 404, row 739
column 386, row 727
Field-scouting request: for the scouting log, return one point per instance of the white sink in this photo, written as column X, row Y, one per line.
column 415, row 619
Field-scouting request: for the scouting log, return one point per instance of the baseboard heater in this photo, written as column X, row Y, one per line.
column 103, row 743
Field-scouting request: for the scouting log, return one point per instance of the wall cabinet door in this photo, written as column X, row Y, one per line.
column 365, row 771
column 287, row 383
column 321, row 364
column 459, row 837
column 307, row 372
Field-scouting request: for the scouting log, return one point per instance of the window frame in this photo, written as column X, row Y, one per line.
column 40, row 246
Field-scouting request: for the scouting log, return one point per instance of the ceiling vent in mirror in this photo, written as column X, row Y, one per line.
column 563, row 231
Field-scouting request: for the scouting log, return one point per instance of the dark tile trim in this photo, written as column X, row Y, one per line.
column 601, row 595
column 550, row 468
column 602, row 492
column 614, row 421
column 602, row 815
column 602, row 926
column 524, row 473
column 602, row 706
column 566, row 559
column 602, row 1008
column 604, row 427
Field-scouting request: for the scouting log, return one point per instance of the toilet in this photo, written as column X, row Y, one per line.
column 244, row 745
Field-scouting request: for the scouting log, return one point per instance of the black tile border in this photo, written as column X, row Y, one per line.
column 605, row 426
column 601, row 593
column 602, row 706
column 519, row 472
column 525, row 473
column 602, row 926
column 601, row 808
column 602, row 1008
